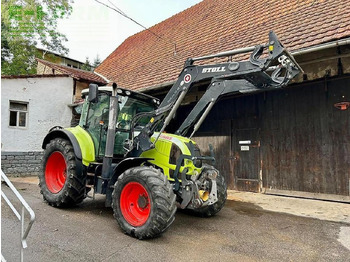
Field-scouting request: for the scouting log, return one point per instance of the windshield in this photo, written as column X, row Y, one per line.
column 95, row 117
column 128, row 108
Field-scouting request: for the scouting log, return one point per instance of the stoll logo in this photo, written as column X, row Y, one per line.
column 213, row 69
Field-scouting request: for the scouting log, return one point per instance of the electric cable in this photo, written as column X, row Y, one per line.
column 119, row 11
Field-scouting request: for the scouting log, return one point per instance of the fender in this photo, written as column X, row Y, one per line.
column 63, row 133
column 118, row 170
column 124, row 165
column 59, row 132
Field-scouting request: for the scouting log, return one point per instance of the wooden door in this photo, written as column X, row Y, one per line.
column 246, row 148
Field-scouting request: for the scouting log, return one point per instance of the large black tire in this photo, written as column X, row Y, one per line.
column 62, row 184
column 144, row 203
column 211, row 210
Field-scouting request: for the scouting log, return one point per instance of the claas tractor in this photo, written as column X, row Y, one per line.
column 120, row 148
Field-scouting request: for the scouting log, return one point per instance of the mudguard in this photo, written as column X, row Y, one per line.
column 127, row 163
column 63, row 133
column 59, row 132
column 80, row 139
column 118, row 169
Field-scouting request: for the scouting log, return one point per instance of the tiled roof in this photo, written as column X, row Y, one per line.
column 77, row 74
column 31, row 76
column 212, row 26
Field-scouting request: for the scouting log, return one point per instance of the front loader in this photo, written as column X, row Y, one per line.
column 120, row 149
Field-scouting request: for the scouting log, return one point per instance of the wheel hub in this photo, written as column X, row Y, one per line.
column 135, row 204
column 142, row 201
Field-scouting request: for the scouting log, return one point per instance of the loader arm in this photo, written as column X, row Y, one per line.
column 262, row 71
column 215, row 90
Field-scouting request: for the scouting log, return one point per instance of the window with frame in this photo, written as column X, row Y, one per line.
column 18, row 114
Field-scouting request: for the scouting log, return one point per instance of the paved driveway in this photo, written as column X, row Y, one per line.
column 240, row 232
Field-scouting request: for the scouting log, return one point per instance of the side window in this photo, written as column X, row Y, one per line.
column 96, row 121
column 84, row 111
column 18, row 114
column 98, row 112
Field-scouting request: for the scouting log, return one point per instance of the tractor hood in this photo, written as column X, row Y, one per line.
column 180, row 141
column 168, row 149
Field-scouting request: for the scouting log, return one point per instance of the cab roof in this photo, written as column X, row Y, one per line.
column 125, row 92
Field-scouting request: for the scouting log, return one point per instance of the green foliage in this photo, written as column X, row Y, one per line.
column 87, row 65
column 97, row 61
column 24, row 25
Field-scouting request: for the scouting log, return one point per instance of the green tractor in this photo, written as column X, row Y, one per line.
column 120, row 149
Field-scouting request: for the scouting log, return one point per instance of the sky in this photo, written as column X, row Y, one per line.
column 92, row 29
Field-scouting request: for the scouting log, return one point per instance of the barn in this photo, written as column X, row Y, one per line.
column 290, row 141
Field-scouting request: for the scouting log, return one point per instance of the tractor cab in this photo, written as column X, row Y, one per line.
column 95, row 116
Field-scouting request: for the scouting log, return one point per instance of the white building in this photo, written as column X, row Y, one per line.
column 30, row 106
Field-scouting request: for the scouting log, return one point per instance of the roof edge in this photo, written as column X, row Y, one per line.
column 306, row 50
column 155, row 87
column 33, row 76
column 102, row 76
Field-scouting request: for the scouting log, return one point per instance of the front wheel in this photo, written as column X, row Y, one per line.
column 61, row 182
column 211, row 210
column 143, row 202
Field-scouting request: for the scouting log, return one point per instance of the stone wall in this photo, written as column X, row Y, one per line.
column 21, row 163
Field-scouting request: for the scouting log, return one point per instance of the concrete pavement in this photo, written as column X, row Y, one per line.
column 241, row 231
column 319, row 209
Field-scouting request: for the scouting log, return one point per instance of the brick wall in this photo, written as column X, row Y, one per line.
column 21, row 163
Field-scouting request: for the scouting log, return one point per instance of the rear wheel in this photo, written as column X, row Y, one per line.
column 143, row 202
column 60, row 182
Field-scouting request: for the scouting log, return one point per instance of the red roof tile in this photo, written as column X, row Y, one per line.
column 144, row 60
column 77, row 74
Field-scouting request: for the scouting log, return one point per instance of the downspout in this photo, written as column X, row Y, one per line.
column 74, row 90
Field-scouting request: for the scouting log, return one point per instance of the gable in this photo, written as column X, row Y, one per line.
column 46, row 67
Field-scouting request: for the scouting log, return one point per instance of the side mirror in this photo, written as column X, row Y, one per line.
column 93, row 93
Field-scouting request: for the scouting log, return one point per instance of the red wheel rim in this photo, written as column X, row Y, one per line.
column 135, row 204
column 55, row 172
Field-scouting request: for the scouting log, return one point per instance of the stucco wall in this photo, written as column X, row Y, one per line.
column 47, row 98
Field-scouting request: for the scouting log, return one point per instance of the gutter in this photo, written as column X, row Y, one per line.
column 320, row 47
column 103, row 77
column 345, row 41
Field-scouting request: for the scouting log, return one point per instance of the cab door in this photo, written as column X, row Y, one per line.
column 97, row 122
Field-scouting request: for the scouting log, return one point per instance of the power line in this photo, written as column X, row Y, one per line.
column 119, row 11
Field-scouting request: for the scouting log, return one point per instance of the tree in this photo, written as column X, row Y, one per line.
column 87, row 65
column 97, row 61
column 25, row 24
